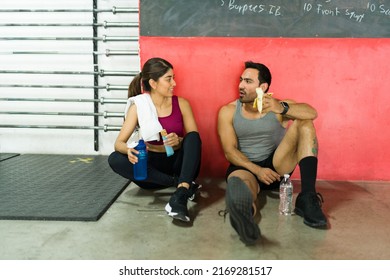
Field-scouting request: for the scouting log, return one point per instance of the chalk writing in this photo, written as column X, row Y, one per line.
column 266, row 18
column 381, row 9
column 244, row 8
column 357, row 15
column 334, row 11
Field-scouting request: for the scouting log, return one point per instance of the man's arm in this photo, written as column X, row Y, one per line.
column 228, row 137
column 300, row 111
column 297, row 111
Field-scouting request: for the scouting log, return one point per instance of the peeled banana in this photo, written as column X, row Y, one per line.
column 258, row 102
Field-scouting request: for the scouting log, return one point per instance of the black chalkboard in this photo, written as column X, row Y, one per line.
column 251, row 18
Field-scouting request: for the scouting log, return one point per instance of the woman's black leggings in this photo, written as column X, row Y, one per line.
column 163, row 171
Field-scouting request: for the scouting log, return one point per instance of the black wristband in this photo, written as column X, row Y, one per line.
column 285, row 107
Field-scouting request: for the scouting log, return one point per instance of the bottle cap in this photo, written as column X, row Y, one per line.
column 164, row 133
column 286, row 175
column 141, row 144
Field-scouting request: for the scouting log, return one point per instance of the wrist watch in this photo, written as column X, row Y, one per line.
column 285, row 107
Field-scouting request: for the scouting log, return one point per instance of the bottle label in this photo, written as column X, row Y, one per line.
column 140, row 168
column 168, row 149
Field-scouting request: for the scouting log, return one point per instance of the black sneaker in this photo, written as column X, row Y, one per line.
column 239, row 206
column 308, row 205
column 193, row 190
column 177, row 205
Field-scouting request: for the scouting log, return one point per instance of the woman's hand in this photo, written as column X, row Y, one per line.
column 172, row 140
column 131, row 154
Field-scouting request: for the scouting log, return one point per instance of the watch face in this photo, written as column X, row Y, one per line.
column 285, row 107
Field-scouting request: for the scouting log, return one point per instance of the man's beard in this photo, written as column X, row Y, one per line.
column 243, row 99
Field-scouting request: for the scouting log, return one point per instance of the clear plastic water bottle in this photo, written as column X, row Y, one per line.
column 141, row 167
column 286, row 196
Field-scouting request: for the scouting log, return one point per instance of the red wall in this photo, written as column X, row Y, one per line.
column 344, row 79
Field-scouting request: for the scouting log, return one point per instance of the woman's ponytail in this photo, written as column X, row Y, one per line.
column 135, row 86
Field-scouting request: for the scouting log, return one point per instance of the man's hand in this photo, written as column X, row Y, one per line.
column 271, row 104
column 267, row 175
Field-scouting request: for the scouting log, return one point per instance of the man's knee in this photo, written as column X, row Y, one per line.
column 307, row 124
column 235, row 181
column 304, row 125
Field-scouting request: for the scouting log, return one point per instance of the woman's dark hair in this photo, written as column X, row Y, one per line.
column 153, row 69
column 264, row 73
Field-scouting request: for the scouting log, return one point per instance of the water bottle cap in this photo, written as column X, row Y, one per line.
column 141, row 144
column 286, row 175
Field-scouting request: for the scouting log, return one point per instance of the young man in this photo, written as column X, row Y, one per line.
column 261, row 149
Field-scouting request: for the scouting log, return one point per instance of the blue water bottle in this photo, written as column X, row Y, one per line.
column 141, row 167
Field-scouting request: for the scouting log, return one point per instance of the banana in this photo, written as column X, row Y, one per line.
column 258, row 102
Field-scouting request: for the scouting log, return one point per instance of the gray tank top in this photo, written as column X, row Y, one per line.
column 258, row 138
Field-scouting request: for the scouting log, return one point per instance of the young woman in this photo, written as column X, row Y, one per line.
column 174, row 114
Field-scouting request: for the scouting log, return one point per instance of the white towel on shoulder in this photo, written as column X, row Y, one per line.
column 149, row 126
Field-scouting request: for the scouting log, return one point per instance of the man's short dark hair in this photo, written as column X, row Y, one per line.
column 264, row 73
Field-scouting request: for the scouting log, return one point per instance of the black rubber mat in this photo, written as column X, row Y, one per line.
column 5, row 156
column 57, row 187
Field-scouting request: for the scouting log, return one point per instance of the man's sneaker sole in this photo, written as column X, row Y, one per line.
column 248, row 230
column 176, row 216
column 320, row 224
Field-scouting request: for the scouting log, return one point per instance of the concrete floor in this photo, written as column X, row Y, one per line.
column 136, row 227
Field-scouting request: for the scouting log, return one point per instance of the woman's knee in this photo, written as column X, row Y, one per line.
column 116, row 159
column 193, row 137
column 192, row 143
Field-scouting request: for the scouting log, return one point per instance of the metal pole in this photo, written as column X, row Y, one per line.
column 46, row 72
column 107, row 52
column 102, row 100
column 112, row 101
column 106, row 38
column 104, row 73
column 120, row 52
column 104, row 114
column 101, row 73
column 116, row 87
column 95, row 38
column 105, row 24
column 120, row 24
column 105, row 127
column 96, row 76
column 114, row 10
column 107, row 87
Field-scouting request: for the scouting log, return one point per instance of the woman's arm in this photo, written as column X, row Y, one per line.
column 188, row 116
column 127, row 129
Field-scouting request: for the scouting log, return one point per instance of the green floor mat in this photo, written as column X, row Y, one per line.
column 57, row 187
column 5, row 156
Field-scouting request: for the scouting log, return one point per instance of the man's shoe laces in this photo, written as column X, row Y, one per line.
column 223, row 213
column 318, row 198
